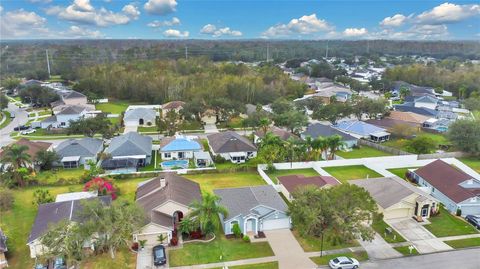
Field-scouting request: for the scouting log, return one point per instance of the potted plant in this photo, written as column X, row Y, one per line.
column 142, row 244
column 161, row 238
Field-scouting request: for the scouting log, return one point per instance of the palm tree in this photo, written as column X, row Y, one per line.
column 290, row 145
column 264, row 123
column 14, row 159
column 207, row 211
column 334, row 143
column 404, row 91
column 319, row 146
column 270, row 139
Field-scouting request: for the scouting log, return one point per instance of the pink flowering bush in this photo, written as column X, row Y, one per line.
column 101, row 186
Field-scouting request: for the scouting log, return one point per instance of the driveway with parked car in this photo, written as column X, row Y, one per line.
column 474, row 220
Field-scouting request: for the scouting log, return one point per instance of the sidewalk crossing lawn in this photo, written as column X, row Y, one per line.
column 362, row 152
column 359, row 255
column 308, row 172
column 210, row 181
column 345, row 173
column 446, row 224
column 464, row 243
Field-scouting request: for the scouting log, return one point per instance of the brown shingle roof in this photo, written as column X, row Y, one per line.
column 292, row 182
column 283, row 134
column 408, row 117
column 229, row 141
column 173, row 105
column 33, row 147
column 446, row 179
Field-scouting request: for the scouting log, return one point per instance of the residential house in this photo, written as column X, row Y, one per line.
column 71, row 97
column 127, row 152
column 407, row 117
column 389, row 123
column 289, row 184
column 276, row 131
column 3, row 250
column 320, row 130
column 364, row 130
column 166, row 200
column 417, row 110
column 179, row 147
column 397, row 198
column 231, row 146
column 339, row 92
column 426, row 101
column 455, row 189
column 140, row 117
column 173, row 105
column 33, row 148
column 53, row 213
column 63, row 118
column 76, row 152
column 254, row 209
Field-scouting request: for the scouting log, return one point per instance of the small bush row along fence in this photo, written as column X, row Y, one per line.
column 383, row 148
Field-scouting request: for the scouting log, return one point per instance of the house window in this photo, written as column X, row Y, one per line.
column 433, row 189
column 167, row 155
column 62, row 123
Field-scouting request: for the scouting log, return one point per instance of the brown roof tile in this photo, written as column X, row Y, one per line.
column 292, row 182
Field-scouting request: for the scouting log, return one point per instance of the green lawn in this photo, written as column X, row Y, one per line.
column 7, row 119
column 310, row 243
column 380, row 226
column 71, row 175
column 359, row 255
column 362, row 152
column 472, row 162
column 406, row 251
column 308, row 172
column 402, row 144
column 229, row 164
column 113, row 107
column 265, row 265
column 446, row 224
column 232, row 123
column 17, row 223
column 464, row 243
column 210, row 181
column 400, row 172
column 228, row 249
column 151, row 166
column 147, row 129
column 345, row 173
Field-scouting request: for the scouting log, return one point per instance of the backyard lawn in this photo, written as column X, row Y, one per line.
column 406, row 251
column 228, row 249
column 400, row 172
column 66, row 175
column 446, row 224
column 359, row 255
column 308, row 172
column 310, row 243
column 210, row 181
column 362, row 152
column 402, row 144
column 113, row 107
column 345, row 173
column 380, row 227
column 472, row 162
column 17, row 223
column 464, row 243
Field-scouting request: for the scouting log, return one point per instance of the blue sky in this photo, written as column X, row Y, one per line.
column 172, row 19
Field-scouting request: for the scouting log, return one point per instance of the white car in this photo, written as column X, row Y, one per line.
column 344, row 263
column 29, row 131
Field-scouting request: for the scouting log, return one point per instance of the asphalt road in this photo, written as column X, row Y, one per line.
column 21, row 117
column 465, row 259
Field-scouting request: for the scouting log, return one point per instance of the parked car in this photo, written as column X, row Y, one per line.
column 474, row 220
column 59, row 263
column 159, row 257
column 20, row 128
column 12, row 115
column 29, row 131
column 344, row 263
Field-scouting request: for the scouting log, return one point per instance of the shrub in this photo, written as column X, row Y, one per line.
column 236, row 230
column 459, row 212
column 271, row 168
column 173, row 241
column 246, row 239
column 101, row 186
column 219, row 159
column 42, row 196
column 6, row 200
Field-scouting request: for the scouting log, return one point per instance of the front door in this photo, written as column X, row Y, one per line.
column 425, row 211
column 250, row 225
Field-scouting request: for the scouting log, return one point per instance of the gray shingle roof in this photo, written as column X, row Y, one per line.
column 53, row 213
column 230, row 141
column 317, row 129
column 140, row 113
column 71, row 110
column 73, row 94
column 85, row 147
column 129, row 144
column 240, row 201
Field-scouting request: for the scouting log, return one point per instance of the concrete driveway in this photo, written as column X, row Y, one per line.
column 378, row 248
column 129, row 129
column 421, row 238
column 287, row 250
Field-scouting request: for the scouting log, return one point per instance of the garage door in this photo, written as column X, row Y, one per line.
column 470, row 210
column 396, row 213
column 276, row 224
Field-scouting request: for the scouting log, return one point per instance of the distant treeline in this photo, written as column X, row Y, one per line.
column 28, row 58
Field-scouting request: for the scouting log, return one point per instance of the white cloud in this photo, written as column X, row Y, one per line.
column 160, row 7
column 79, row 32
column 304, row 25
column 132, row 11
column 81, row 11
column 176, row 33
column 156, row 24
column 212, row 30
column 394, row 21
column 355, row 32
column 1, row 9
column 22, row 24
column 422, row 32
column 448, row 13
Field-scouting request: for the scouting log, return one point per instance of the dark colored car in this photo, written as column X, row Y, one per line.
column 474, row 220
column 21, row 128
column 159, row 257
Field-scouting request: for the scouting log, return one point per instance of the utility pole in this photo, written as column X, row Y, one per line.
column 48, row 63
column 186, row 53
